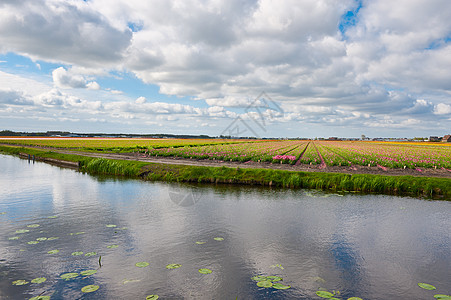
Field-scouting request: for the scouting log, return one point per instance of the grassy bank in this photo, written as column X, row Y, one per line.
column 365, row 183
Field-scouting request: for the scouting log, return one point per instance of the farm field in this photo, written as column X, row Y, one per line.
column 384, row 155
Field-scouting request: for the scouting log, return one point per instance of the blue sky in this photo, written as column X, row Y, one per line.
column 334, row 68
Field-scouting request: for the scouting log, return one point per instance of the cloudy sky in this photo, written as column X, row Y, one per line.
column 296, row 68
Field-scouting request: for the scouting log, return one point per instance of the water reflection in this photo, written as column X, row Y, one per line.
column 374, row 247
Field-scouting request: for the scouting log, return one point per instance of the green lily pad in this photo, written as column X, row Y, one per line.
column 68, row 276
column 280, row 286
column 125, row 281
column 200, row 243
column 41, row 239
column 52, row 217
column 112, row 246
column 40, row 298
column 111, row 226
column 13, row 238
column 324, row 294
column 264, row 283
column 77, row 233
column 152, row 297
column 88, row 272
column 90, row 254
column 39, row 280
column 142, row 264
column 33, row 226
column 20, row 282
column 52, row 238
column 90, row 288
column 277, row 266
column 274, row 278
column 173, row 266
column 426, row 286
column 53, row 251
column 355, row 298
column 77, row 253
column 442, row 297
column 22, row 231
column 218, row 239
column 205, row 271
column 3, row 213
column 259, row 278
column 32, row 242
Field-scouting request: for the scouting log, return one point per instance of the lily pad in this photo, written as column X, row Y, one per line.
column 41, row 239
column 32, row 242
column 13, row 238
column 355, row 298
column 40, row 298
column 90, row 288
column 173, row 266
column 259, row 278
column 3, row 213
column 33, row 226
column 68, row 276
column 152, row 297
column 77, row 253
column 90, row 254
column 274, row 278
column 218, row 239
column 111, row 226
column 52, row 238
column 277, row 266
column 53, row 251
column 280, row 286
column 52, row 217
column 200, row 243
column 22, row 231
column 426, row 286
column 39, row 280
column 324, row 294
column 125, row 281
column 205, row 271
column 142, row 264
column 442, row 297
column 88, row 272
column 112, row 246
column 264, row 283
column 20, row 282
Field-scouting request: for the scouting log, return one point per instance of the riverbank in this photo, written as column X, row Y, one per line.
column 122, row 165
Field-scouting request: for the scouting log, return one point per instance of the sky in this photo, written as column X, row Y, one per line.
column 292, row 68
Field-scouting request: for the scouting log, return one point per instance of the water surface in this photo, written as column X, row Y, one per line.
column 367, row 246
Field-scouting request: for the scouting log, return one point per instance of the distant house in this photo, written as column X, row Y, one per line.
column 434, row 139
column 447, row 138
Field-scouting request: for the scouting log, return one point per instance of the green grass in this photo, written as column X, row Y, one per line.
column 365, row 183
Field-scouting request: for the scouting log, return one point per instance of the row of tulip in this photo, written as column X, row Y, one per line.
column 387, row 154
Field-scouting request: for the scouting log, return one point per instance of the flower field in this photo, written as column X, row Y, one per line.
column 294, row 152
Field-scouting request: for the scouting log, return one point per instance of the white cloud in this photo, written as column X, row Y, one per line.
column 63, row 78
column 93, row 85
column 140, row 100
column 442, row 109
